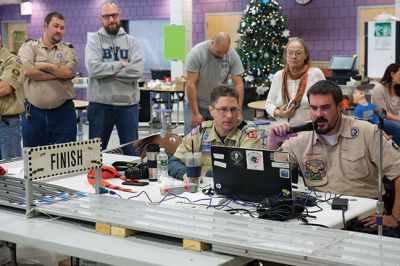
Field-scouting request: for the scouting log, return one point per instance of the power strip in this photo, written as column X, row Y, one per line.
column 176, row 189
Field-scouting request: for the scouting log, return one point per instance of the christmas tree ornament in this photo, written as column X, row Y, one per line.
column 286, row 33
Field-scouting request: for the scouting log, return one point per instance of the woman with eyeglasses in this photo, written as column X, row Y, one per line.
column 287, row 97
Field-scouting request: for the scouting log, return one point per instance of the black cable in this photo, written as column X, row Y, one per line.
column 282, row 211
column 343, row 218
column 319, row 225
column 234, row 211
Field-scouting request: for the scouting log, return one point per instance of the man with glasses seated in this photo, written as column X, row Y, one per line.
column 114, row 63
column 226, row 129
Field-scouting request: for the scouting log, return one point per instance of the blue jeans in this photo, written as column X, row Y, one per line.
column 103, row 117
column 10, row 138
column 49, row 126
column 392, row 127
column 187, row 117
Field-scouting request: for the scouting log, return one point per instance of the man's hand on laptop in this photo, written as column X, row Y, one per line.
column 277, row 134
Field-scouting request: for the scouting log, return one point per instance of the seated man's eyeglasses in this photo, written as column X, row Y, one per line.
column 108, row 16
column 224, row 110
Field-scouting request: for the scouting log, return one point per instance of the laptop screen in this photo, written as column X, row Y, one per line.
column 342, row 62
column 250, row 174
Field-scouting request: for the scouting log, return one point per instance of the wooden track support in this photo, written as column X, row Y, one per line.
column 122, row 232
column 103, row 228
column 195, row 245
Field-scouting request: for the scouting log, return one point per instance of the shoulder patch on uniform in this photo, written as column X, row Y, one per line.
column 252, row 134
column 15, row 73
column 354, row 132
column 248, row 128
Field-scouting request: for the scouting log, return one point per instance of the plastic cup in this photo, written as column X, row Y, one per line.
column 193, row 167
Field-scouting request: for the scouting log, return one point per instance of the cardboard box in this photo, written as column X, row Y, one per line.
column 180, row 83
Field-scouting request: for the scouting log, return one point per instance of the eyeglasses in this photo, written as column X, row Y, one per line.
column 294, row 53
column 108, row 16
column 224, row 110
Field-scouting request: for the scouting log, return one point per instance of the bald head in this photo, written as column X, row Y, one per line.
column 108, row 5
column 222, row 38
column 220, row 44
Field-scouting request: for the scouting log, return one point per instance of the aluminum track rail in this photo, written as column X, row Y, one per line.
column 262, row 239
column 12, row 191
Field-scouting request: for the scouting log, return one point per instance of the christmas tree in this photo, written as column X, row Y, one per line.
column 262, row 38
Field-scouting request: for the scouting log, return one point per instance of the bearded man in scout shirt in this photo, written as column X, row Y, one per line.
column 226, row 129
column 49, row 66
column 341, row 155
column 11, row 104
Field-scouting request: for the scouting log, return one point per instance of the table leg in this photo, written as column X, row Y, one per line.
column 177, row 117
column 80, row 125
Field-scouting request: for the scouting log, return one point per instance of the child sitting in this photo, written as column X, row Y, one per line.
column 364, row 110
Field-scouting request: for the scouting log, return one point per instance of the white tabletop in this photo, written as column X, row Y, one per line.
column 357, row 207
column 75, row 239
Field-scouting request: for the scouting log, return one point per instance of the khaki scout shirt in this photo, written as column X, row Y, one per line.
column 11, row 72
column 48, row 94
column 348, row 167
column 244, row 135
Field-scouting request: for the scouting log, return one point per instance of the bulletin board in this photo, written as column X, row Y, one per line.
column 227, row 22
column 150, row 34
column 365, row 14
column 174, row 42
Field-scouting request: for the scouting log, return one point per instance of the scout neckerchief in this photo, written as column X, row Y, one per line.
column 303, row 76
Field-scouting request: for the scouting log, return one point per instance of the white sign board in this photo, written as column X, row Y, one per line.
column 61, row 159
column 381, row 47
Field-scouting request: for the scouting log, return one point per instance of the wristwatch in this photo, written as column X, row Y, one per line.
column 395, row 219
column 303, row 2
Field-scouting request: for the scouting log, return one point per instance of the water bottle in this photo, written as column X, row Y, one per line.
column 162, row 165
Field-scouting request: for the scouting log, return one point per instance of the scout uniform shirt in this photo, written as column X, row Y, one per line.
column 11, row 72
column 244, row 135
column 48, row 94
column 350, row 166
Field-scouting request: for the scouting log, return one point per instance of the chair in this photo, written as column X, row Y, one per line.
column 163, row 113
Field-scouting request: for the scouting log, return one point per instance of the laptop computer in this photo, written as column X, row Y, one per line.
column 250, row 174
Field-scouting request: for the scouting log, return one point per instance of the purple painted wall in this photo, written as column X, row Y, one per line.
column 329, row 27
column 81, row 16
